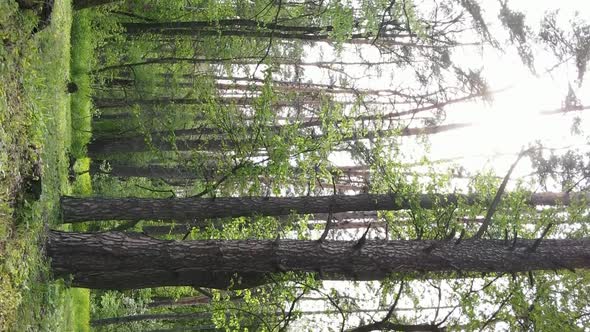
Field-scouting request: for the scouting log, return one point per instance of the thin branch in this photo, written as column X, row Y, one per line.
column 329, row 224
column 270, row 39
column 493, row 316
column 488, row 218
column 291, row 308
column 382, row 25
column 361, row 242
column 204, row 292
column 537, row 242
column 172, row 193
column 330, row 299
column 395, row 302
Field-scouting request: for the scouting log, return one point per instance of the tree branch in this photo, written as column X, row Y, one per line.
column 488, row 218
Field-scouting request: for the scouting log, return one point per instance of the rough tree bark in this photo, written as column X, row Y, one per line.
column 96, row 208
column 81, row 4
column 115, row 260
column 390, row 326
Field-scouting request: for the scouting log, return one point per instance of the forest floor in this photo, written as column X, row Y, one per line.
column 37, row 141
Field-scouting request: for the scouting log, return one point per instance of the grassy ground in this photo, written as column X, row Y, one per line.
column 81, row 114
column 35, row 138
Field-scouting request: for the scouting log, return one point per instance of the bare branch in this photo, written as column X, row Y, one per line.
column 488, row 218
column 535, row 245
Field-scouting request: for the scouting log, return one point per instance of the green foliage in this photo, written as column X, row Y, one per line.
column 108, row 304
column 342, row 20
column 407, row 10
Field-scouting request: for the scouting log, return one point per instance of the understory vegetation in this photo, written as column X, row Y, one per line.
column 35, row 139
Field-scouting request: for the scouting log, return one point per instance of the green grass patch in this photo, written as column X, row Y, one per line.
column 35, row 135
column 78, row 309
column 82, row 185
column 81, row 63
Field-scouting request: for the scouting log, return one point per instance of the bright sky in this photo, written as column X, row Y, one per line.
column 513, row 119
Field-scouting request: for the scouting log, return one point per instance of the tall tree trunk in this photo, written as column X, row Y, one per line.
column 223, row 23
column 390, row 39
column 390, row 326
column 183, row 172
column 245, row 28
column 255, row 84
column 162, row 60
column 103, row 103
column 81, row 4
column 183, row 301
column 151, row 317
column 253, row 60
column 179, row 316
column 106, row 146
column 114, row 260
column 96, row 208
column 178, row 229
column 151, row 171
column 200, row 328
